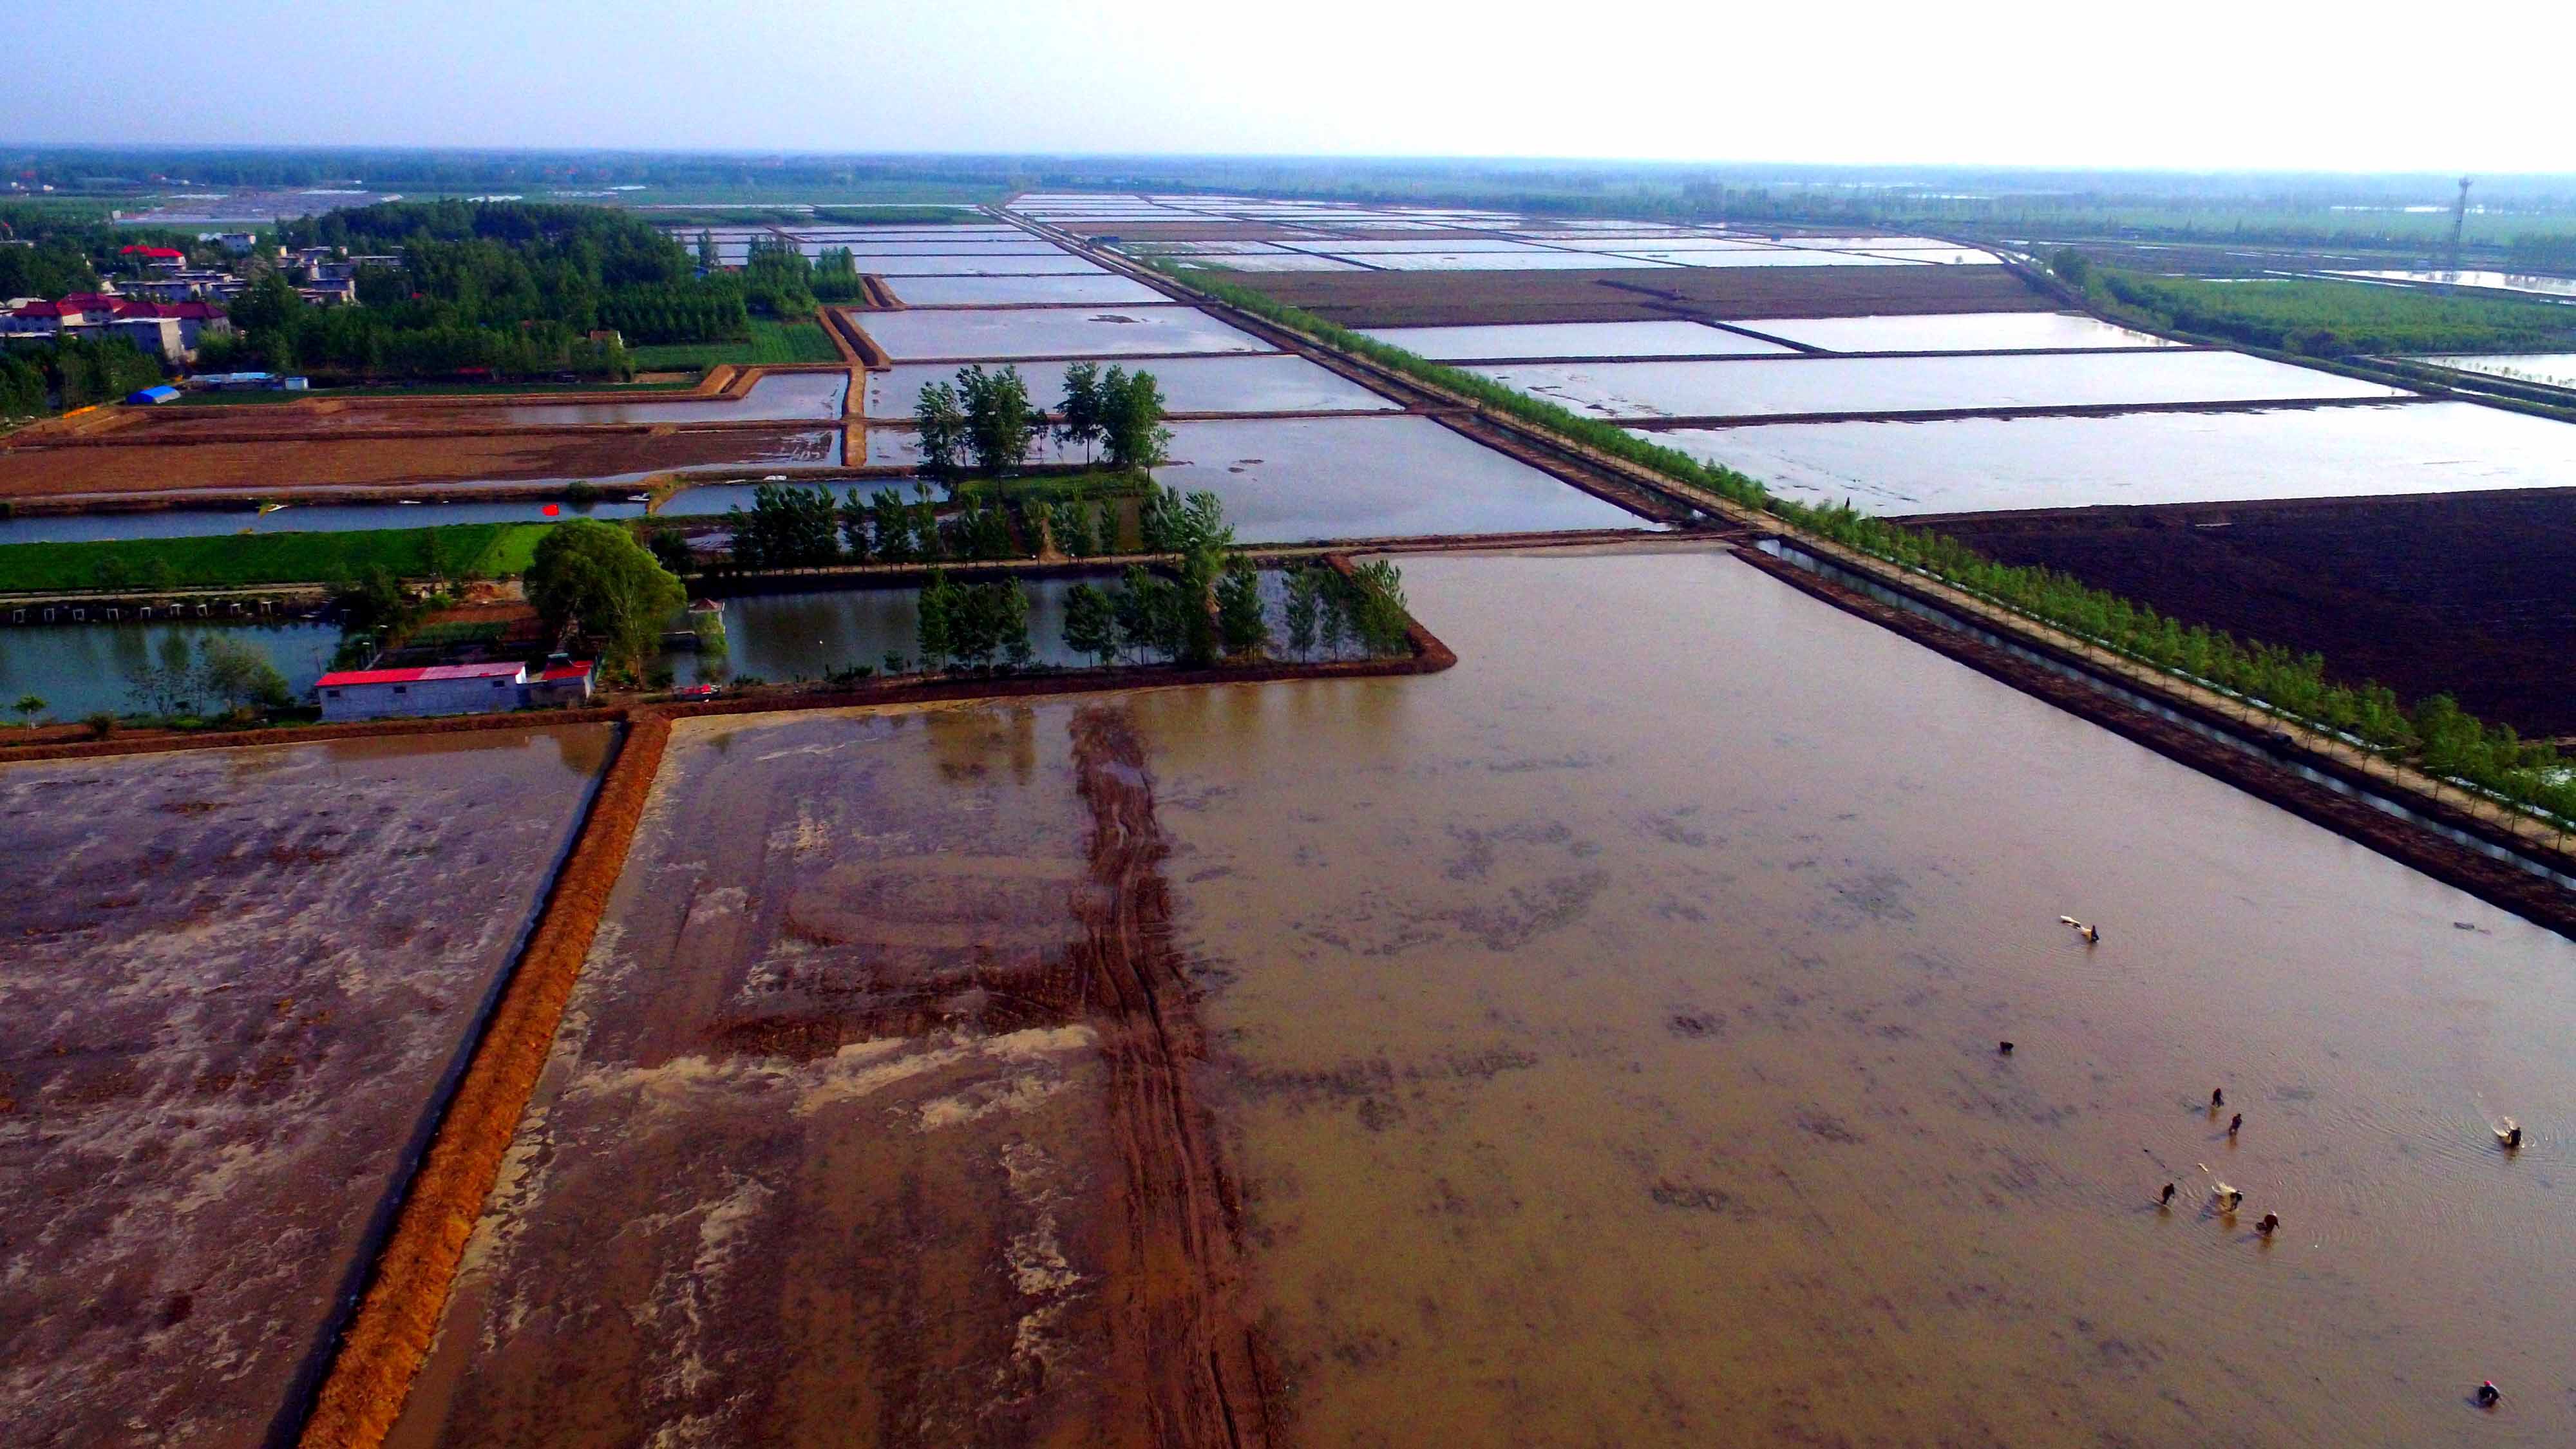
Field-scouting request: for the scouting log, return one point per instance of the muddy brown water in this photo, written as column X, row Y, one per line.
column 1600, row 1044
column 233, row 981
column 1608, row 1032
column 863, row 1125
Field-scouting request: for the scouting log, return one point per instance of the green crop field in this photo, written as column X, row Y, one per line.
column 461, row 550
column 2338, row 319
column 770, row 342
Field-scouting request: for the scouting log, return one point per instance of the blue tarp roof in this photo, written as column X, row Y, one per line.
column 161, row 394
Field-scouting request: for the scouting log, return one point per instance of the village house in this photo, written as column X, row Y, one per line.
column 168, row 330
column 356, row 694
column 168, row 259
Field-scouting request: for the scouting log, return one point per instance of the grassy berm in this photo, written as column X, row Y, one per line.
column 461, row 550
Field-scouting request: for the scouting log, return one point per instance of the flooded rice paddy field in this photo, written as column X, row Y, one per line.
column 1287, row 262
column 1049, row 264
column 1607, row 1035
column 779, row 396
column 2533, row 283
column 1597, row 1054
column 2557, row 369
column 911, row 246
column 1688, row 257
column 1297, row 480
column 1100, row 290
column 1533, row 261
column 1278, row 382
column 1961, row 465
column 1572, row 339
column 1669, row 242
column 79, row 670
column 235, row 978
column 1005, row 333
column 1810, row 385
column 1456, row 247
column 1955, row 332
column 861, row 1127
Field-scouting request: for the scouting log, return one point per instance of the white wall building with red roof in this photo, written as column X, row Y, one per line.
column 358, row 694
column 168, row 330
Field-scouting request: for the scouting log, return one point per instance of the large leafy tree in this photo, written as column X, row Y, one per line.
column 1081, row 417
column 1000, row 422
column 788, row 527
column 939, row 425
column 1131, row 420
column 594, row 577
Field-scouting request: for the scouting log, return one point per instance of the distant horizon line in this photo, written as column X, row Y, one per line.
column 39, row 148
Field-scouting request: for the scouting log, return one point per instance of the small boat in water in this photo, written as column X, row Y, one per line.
column 266, row 509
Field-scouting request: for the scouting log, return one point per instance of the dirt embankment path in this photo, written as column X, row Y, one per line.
column 1180, row 1312
column 400, row 1313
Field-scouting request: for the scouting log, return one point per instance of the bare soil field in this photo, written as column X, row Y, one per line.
column 235, row 980
column 389, row 461
column 2462, row 593
column 1456, row 299
column 871, row 1119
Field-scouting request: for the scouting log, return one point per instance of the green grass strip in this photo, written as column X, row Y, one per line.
column 800, row 341
column 457, row 550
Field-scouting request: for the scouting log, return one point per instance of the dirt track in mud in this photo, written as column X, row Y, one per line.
column 871, row 1119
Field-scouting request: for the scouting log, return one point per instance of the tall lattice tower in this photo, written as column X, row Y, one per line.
column 2459, row 220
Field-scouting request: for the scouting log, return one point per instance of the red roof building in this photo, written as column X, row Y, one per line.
column 423, row 674
column 448, row 689
column 96, row 313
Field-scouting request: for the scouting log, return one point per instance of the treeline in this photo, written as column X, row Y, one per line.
column 2555, row 252
column 70, row 249
column 509, row 288
column 789, row 526
column 898, row 179
column 2435, row 733
column 1203, row 605
column 2329, row 318
column 76, row 371
column 1155, row 618
column 987, row 420
column 277, row 331
column 654, row 313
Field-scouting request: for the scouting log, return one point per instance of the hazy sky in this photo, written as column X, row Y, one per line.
column 2193, row 85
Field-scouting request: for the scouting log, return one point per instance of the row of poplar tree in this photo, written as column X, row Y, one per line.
column 986, row 420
